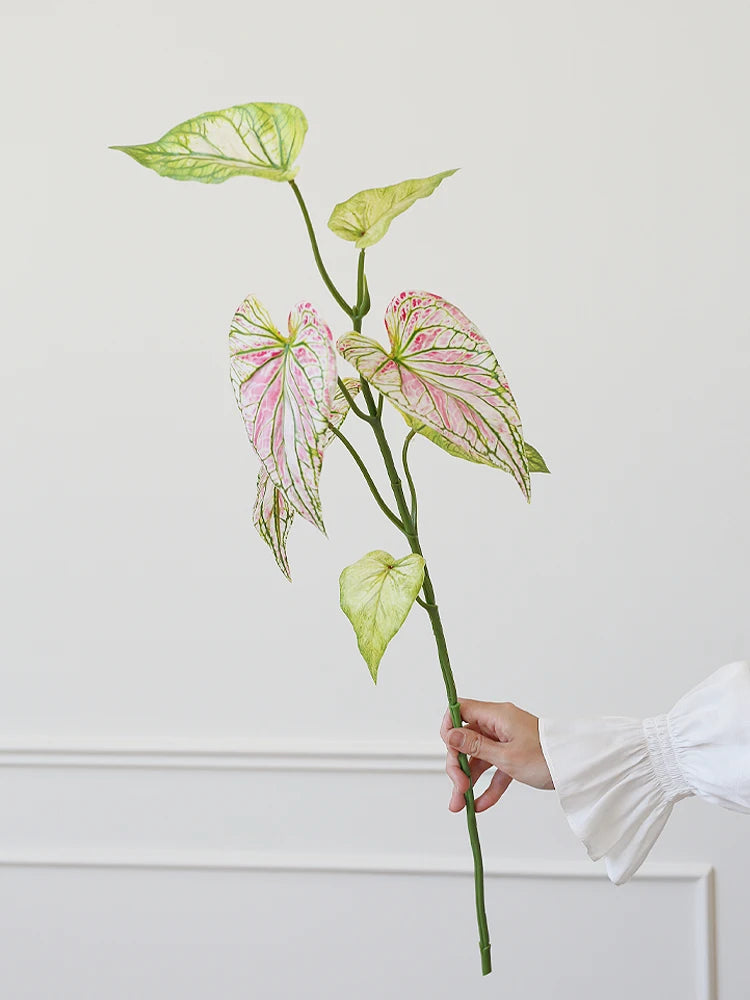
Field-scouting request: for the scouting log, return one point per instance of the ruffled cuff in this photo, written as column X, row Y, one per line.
column 710, row 731
column 617, row 780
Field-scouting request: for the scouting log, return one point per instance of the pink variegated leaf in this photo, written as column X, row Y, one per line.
column 443, row 376
column 272, row 515
column 284, row 388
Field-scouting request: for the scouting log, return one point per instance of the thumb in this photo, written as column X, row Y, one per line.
column 474, row 744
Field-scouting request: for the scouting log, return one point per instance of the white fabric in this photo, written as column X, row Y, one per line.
column 617, row 779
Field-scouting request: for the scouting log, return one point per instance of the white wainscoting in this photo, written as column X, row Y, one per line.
column 129, row 851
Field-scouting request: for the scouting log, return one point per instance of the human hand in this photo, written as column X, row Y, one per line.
column 496, row 734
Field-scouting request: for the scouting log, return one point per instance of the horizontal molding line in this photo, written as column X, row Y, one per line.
column 367, row 864
column 326, row 757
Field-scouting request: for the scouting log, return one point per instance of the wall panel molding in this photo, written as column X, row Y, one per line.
column 325, row 758
column 702, row 877
column 260, row 756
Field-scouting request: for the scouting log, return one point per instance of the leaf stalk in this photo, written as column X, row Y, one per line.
column 316, row 252
column 407, row 472
column 368, row 478
column 350, row 400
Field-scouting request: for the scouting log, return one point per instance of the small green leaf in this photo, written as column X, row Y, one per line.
column 377, row 593
column 535, row 460
column 365, row 217
column 261, row 140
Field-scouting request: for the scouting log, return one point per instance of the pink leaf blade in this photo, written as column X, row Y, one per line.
column 272, row 517
column 441, row 372
column 285, row 389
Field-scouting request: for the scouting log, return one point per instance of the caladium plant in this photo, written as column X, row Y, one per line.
column 437, row 370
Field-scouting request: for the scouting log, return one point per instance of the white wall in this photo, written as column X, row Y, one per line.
column 598, row 234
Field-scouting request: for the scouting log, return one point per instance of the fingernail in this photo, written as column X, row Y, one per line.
column 456, row 738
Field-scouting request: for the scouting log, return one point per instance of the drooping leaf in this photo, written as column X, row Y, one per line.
column 377, row 593
column 261, row 140
column 441, row 372
column 536, row 462
column 285, row 389
column 365, row 217
column 272, row 515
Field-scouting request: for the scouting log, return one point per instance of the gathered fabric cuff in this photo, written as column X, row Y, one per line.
column 617, row 780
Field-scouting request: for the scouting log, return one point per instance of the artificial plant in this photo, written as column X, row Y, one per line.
column 437, row 370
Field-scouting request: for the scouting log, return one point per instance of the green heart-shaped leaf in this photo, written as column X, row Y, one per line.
column 261, row 140
column 377, row 593
column 365, row 217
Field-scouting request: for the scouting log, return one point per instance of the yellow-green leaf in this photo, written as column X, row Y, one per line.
column 377, row 593
column 365, row 217
column 260, row 140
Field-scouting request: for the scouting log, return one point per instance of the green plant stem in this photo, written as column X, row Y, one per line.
column 316, row 253
column 350, row 400
column 407, row 472
column 431, row 607
column 368, row 478
column 407, row 525
column 358, row 309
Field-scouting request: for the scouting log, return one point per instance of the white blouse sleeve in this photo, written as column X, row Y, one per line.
column 617, row 779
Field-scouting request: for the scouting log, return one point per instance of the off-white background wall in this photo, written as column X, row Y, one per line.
column 597, row 232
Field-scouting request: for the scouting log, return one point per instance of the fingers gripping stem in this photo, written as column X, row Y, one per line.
column 463, row 760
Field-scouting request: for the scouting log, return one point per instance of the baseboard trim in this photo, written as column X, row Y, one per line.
column 371, row 864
